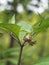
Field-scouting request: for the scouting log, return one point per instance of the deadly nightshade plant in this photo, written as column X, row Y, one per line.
column 21, row 30
column 16, row 31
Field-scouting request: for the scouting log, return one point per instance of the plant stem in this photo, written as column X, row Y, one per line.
column 19, row 60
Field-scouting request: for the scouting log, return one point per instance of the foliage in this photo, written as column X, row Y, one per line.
column 11, row 27
column 19, row 31
column 23, row 27
column 41, row 26
column 43, row 61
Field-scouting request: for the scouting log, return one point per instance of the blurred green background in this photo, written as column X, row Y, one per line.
column 30, row 53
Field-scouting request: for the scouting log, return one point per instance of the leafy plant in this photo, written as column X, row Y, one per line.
column 16, row 30
column 21, row 27
column 22, row 33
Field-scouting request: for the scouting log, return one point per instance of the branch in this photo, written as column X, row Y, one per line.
column 17, row 39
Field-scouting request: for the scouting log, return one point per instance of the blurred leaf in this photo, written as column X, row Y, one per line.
column 22, row 35
column 24, row 2
column 41, row 26
column 12, row 20
column 25, row 26
column 2, row 62
column 43, row 61
column 9, row 51
column 11, row 27
column 5, row 16
column 14, row 61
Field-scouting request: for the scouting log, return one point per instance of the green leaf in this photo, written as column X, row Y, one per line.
column 43, row 61
column 9, row 51
column 41, row 26
column 13, row 61
column 22, row 35
column 11, row 27
column 25, row 26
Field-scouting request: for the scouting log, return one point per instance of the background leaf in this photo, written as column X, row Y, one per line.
column 12, row 61
column 43, row 61
column 41, row 26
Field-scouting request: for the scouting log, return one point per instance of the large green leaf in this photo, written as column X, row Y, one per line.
column 22, row 35
column 11, row 27
column 25, row 28
column 43, row 61
column 41, row 26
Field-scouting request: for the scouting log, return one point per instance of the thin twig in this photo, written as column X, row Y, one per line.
column 17, row 39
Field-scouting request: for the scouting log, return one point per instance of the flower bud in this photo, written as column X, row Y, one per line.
column 27, row 38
